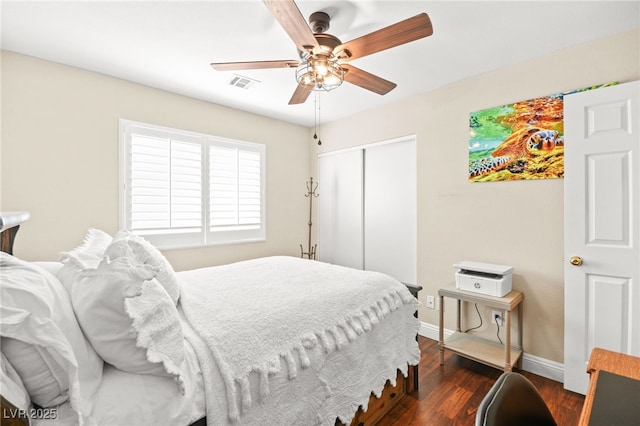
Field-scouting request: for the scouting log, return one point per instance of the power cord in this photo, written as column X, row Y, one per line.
column 479, row 316
column 495, row 319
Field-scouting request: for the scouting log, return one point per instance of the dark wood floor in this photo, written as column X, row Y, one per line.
column 450, row 394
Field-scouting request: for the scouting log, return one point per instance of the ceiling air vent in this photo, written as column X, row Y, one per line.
column 243, row 82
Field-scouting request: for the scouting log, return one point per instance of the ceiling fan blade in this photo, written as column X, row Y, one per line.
column 394, row 35
column 288, row 15
column 367, row 80
column 300, row 95
column 254, row 65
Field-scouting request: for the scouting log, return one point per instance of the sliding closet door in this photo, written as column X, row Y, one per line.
column 367, row 210
column 340, row 239
column 390, row 209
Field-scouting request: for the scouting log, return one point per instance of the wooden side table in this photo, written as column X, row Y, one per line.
column 477, row 348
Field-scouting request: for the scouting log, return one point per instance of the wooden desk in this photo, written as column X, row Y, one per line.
column 613, row 362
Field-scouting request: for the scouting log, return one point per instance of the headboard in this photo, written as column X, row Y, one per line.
column 9, row 225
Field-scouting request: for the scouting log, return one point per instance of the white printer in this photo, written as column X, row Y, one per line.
column 486, row 278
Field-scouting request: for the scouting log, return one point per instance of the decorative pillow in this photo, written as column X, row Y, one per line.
column 70, row 271
column 44, row 376
column 128, row 317
column 145, row 253
column 36, row 313
column 91, row 251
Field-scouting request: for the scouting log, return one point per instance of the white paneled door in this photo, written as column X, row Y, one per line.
column 602, row 226
column 367, row 208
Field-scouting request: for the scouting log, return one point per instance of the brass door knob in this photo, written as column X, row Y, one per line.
column 576, row 260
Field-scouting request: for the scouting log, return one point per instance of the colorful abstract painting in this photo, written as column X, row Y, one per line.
column 523, row 140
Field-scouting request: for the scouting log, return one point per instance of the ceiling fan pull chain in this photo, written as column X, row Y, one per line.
column 319, row 124
column 315, row 116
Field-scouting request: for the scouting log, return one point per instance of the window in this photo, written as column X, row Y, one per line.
column 184, row 189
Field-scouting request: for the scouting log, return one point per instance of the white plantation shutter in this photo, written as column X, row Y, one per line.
column 149, row 187
column 166, row 185
column 235, row 188
column 174, row 183
column 186, row 186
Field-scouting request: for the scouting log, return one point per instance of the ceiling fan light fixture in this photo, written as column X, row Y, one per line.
column 324, row 59
column 319, row 72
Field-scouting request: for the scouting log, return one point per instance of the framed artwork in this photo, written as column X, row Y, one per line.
column 519, row 141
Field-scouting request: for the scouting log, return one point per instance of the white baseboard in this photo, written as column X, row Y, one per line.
column 432, row 331
column 531, row 363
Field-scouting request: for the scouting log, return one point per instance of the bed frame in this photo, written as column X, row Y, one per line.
column 9, row 226
column 377, row 407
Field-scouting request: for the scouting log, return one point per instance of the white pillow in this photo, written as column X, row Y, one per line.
column 86, row 255
column 44, row 376
column 91, row 251
column 145, row 253
column 128, row 317
column 89, row 362
column 35, row 310
column 50, row 267
column 12, row 387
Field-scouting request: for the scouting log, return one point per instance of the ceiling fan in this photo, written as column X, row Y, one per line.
column 323, row 64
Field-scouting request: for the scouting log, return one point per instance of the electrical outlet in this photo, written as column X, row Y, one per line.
column 496, row 317
column 431, row 302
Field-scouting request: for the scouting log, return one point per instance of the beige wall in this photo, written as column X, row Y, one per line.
column 60, row 161
column 60, row 158
column 513, row 223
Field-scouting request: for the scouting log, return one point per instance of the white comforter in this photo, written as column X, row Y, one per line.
column 283, row 340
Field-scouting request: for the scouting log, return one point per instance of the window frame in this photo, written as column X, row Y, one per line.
column 206, row 236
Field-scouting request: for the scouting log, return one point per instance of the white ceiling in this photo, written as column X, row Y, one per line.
column 170, row 44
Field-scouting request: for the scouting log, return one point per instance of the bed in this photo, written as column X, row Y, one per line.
column 269, row 341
